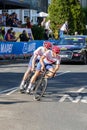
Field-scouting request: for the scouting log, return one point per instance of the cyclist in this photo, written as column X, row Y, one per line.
column 35, row 58
column 47, row 61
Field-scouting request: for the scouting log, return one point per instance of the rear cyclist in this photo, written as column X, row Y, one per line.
column 47, row 61
column 35, row 58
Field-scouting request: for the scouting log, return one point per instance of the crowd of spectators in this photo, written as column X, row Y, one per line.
column 11, row 21
column 10, row 35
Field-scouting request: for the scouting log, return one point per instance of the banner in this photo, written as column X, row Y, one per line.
column 20, row 49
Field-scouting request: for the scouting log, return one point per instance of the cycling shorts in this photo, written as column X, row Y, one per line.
column 47, row 66
column 30, row 62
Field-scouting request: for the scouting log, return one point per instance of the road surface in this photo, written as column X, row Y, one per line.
column 63, row 107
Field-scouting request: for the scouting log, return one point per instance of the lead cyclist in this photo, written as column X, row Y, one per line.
column 46, row 62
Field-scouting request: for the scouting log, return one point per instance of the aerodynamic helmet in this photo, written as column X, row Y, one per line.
column 56, row 49
column 47, row 44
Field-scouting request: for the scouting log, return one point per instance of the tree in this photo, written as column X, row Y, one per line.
column 66, row 10
column 77, row 21
column 85, row 14
column 58, row 13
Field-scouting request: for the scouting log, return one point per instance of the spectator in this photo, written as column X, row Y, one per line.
column 12, row 20
column 46, row 35
column 3, row 33
column 32, row 22
column 76, row 33
column 1, row 36
column 14, row 36
column 63, row 29
column 23, row 36
column 9, row 21
column 9, row 37
column 20, row 24
column 0, row 19
column 28, row 23
column 14, row 24
column 3, row 19
column 15, row 20
column 47, row 26
column 43, row 22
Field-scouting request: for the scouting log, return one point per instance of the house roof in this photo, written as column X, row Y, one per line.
column 14, row 4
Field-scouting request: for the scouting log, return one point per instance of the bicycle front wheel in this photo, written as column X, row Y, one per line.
column 40, row 89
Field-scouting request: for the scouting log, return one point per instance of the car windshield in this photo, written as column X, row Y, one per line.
column 72, row 41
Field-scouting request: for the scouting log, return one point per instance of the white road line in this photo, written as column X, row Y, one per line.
column 7, row 90
column 12, row 92
column 78, row 91
column 63, row 73
column 70, row 98
column 62, row 99
column 84, row 100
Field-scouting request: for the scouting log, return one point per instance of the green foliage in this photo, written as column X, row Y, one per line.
column 70, row 10
column 85, row 14
column 57, row 13
column 38, row 32
column 77, row 22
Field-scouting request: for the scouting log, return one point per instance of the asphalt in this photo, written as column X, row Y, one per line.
column 55, row 111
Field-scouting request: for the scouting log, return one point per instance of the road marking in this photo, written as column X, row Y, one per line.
column 12, row 91
column 4, row 91
column 84, row 100
column 78, row 91
column 63, row 73
column 76, row 100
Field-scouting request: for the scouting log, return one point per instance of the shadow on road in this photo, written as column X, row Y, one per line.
column 12, row 102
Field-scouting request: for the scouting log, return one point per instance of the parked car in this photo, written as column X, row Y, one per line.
column 73, row 48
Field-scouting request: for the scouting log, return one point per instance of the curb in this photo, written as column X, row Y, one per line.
column 13, row 61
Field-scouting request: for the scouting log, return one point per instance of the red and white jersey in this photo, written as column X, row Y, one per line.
column 50, row 59
column 39, row 52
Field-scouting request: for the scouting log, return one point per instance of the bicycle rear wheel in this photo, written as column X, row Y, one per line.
column 40, row 88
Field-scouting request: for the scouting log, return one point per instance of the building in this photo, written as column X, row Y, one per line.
column 24, row 8
column 83, row 3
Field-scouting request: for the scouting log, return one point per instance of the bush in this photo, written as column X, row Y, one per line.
column 38, row 32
